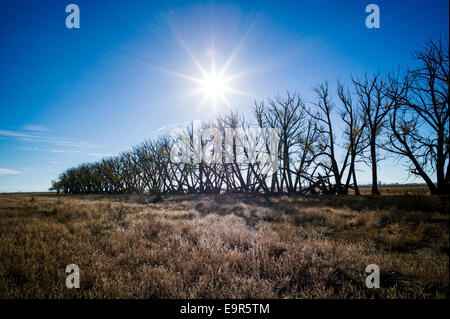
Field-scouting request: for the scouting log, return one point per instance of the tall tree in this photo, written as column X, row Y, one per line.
column 354, row 131
column 375, row 107
column 420, row 120
column 328, row 146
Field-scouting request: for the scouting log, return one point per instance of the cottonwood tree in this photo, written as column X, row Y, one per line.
column 413, row 106
column 323, row 114
column 375, row 105
column 297, row 138
column 419, row 122
column 354, row 131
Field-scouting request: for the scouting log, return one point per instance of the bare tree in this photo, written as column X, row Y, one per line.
column 328, row 146
column 375, row 106
column 420, row 120
column 354, row 131
column 297, row 139
column 414, row 106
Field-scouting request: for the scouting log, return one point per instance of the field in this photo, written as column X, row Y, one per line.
column 225, row 246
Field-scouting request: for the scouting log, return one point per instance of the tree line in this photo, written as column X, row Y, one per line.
column 404, row 114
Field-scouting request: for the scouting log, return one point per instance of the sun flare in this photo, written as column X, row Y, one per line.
column 213, row 86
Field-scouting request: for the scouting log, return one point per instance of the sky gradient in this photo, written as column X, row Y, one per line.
column 69, row 96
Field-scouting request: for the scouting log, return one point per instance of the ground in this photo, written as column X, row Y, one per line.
column 225, row 246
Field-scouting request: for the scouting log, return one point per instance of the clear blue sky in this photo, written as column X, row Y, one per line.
column 69, row 96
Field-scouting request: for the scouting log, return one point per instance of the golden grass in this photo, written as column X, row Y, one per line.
column 397, row 190
column 223, row 246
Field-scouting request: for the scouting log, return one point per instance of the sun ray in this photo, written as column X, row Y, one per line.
column 237, row 75
column 237, row 49
column 238, row 92
column 226, row 101
column 182, row 75
column 203, row 101
column 213, row 83
column 189, row 52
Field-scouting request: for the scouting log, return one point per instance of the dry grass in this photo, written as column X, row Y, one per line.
column 397, row 190
column 223, row 246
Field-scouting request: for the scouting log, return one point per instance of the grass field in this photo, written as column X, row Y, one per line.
column 225, row 246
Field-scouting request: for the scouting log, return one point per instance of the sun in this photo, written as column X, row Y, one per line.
column 213, row 86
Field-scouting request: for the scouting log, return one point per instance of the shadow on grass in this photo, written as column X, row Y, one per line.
column 395, row 203
column 399, row 203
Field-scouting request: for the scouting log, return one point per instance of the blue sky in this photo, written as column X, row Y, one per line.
column 69, row 96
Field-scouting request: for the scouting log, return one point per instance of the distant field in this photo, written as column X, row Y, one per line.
column 397, row 190
column 225, row 246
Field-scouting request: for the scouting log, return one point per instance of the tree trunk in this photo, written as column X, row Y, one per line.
column 373, row 159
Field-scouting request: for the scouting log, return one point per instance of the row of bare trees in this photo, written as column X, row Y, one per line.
column 319, row 144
